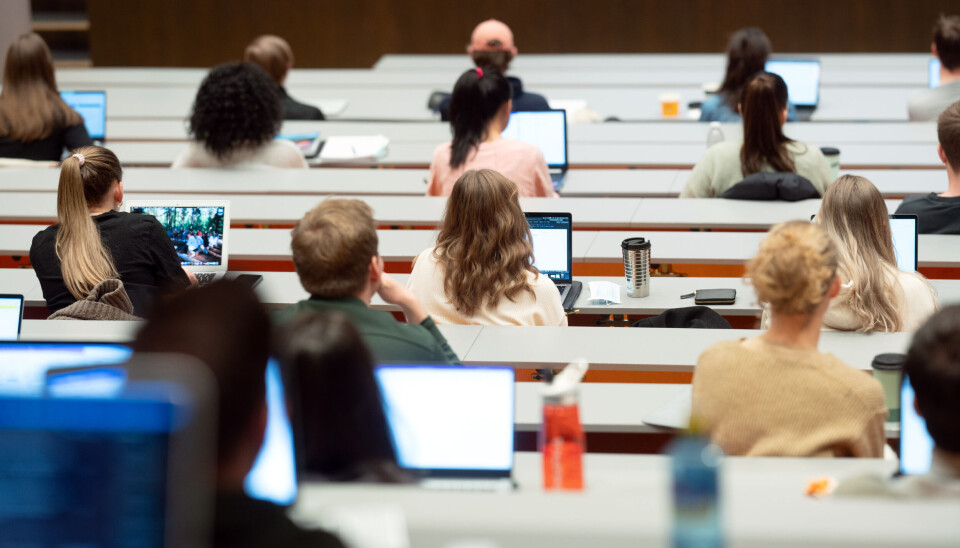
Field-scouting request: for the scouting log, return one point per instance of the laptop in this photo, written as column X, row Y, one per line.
column 547, row 129
column 934, row 69
column 802, row 77
column 552, row 235
column 199, row 231
column 11, row 316
column 904, row 229
column 916, row 445
column 452, row 427
column 92, row 107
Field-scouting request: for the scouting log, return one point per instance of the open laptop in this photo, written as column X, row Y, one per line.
column 802, row 77
column 547, row 129
column 553, row 252
column 934, row 69
column 199, row 231
column 916, row 445
column 92, row 107
column 905, row 229
column 452, row 426
column 11, row 316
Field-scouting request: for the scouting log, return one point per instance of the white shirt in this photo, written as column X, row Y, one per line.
column 276, row 153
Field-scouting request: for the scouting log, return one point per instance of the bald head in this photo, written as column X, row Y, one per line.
column 492, row 35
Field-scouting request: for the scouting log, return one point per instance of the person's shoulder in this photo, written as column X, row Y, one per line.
column 724, row 150
column 443, row 150
column 916, row 202
column 45, row 237
column 722, row 353
column 864, row 387
column 283, row 153
column 915, row 287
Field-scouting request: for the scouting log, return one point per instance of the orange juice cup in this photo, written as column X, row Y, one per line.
column 670, row 105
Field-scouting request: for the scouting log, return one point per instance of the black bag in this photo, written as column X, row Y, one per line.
column 696, row 317
column 787, row 187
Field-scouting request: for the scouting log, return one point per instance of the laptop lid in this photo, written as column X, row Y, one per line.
column 92, row 107
column 802, row 77
column 916, row 445
column 450, row 421
column 11, row 316
column 552, row 235
column 199, row 230
column 547, row 129
column 904, row 229
column 934, row 69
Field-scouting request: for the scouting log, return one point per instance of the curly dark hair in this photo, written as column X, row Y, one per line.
column 237, row 106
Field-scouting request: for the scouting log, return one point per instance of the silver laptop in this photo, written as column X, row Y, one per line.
column 553, row 252
column 92, row 107
column 547, row 129
column 11, row 316
column 802, row 77
column 452, row 426
column 199, row 230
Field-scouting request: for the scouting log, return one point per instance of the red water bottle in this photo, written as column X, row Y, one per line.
column 561, row 435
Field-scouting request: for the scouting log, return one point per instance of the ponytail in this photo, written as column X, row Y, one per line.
column 764, row 99
column 477, row 97
column 85, row 178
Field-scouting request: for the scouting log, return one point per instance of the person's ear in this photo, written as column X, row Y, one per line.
column 376, row 270
column 941, row 154
column 118, row 193
column 783, row 116
column 505, row 111
column 740, row 109
column 933, row 50
column 835, row 287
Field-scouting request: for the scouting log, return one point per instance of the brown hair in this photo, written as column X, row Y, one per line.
column 493, row 58
column 794, row 267
column 948, row 133
column 764, row 99
column 946, row 36
column 332, row 247
column 747, row 54
column 272, row 54
column 84, row 260
column 484, row 245
column 30, row 107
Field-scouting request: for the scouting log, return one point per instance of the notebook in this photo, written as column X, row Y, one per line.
column 452, row 426
column 552, row 235
column 904, row 229
column 547, row 129
column 934, row 69
column 11, row 316
column 92, row 107
column 199, row 231
column 802, row 77
column 916, row 445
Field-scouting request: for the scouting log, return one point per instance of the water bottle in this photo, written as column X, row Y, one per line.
column 695, row 464
column 562, row 440
column 714, row 134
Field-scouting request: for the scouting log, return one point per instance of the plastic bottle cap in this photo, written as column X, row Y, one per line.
column 829, row 151
column 888, row 362
column 714, row 124
column 635, row 244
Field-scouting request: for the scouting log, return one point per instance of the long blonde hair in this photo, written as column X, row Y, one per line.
column 854, row 214
column 84, row 260
column 484, row 245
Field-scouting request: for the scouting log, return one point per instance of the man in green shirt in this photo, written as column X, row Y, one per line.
column 335, row 254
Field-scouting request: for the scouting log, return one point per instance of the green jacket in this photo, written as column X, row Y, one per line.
column 389, row 340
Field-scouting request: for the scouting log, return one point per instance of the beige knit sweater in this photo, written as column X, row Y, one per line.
column 762, row 399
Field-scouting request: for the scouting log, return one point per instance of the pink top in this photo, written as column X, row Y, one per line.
column 520, row 162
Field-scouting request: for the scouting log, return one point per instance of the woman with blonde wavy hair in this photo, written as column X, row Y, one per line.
column 876, row 295
column 481, row 270
column 776, row 394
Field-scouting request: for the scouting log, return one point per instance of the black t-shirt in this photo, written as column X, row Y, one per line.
column 292, row 110
column 141, row 251
column 937, row 215
column 242, row 522
column 49, row 148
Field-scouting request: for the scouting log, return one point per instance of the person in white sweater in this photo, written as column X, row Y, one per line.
column 481, row 270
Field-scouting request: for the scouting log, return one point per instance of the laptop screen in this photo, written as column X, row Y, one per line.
column 802, row 78
column 24, row 365
column 552, row 242
column 92, row 107
column 934, row 68
column 196, row 231
column 547, row 129
column 273, row 476
column 450, row 418
column 904, row 231
column 916, row 445
column 11, row 313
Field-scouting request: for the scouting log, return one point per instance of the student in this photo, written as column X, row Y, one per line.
column 940, row 213
column 933, row 367
column 776, row 394
column 876, row 295
column 335, row 254
column 491, row 44
column 274, row 55
column 236, row 115
column 336, row 403
column 928, row 104
column 93, row 241
column 224, row 326
column 35, row 123
column 747, row 54
column 764, row 147
column 480, row 111
column 481, row 271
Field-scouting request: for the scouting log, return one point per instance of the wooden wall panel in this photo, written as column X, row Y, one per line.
column 354, row 33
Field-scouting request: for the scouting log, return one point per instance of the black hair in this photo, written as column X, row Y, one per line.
column 933, row 367
column 946, row 36
column 477, row 97
column 747, row 54
column 237, row 106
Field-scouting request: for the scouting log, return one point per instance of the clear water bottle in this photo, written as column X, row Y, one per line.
column 697, row 519
column 714, row 134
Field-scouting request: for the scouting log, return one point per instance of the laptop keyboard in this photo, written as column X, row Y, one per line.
column 501, row 485
column 205, row 277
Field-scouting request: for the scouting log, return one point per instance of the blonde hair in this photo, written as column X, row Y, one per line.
column 484, row 245
column 854, row 214
column 332, row 247
column 794, row 268
column 84, row 260
column 273, row 54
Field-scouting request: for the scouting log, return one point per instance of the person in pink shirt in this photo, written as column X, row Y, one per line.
column 479, row 111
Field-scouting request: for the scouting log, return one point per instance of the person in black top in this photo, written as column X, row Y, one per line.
column 92, row 241
column 491, row 44
column 224, row 326
column 274, row 55
column 940, row 213
column 35, row 123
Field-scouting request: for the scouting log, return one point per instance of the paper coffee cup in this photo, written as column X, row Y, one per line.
column 669, row 105
column 832, row 155
column 888, row 369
